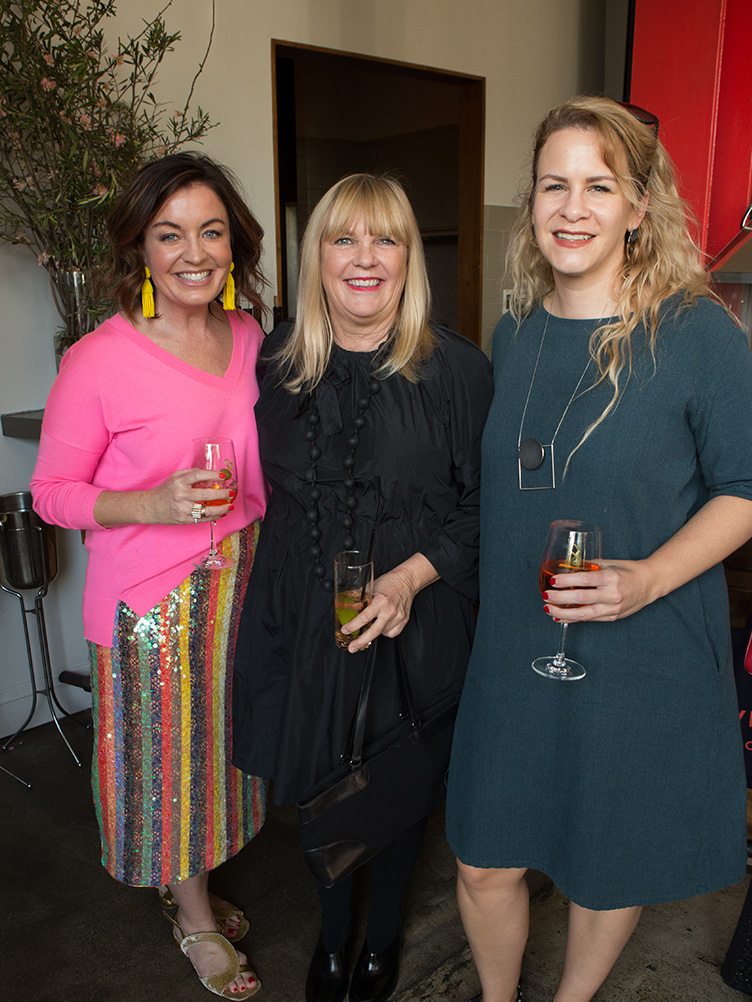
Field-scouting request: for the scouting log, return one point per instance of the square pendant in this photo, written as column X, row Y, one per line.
column 541, row 479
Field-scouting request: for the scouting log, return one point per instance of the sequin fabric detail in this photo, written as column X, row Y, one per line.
column 169, row 802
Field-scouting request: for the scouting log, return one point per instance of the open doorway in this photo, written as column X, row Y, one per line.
column 337, row 113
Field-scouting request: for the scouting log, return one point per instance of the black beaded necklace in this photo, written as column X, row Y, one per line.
column 350, row 483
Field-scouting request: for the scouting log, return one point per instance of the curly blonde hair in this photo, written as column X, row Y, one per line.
column 663, row 261
column 382, row 205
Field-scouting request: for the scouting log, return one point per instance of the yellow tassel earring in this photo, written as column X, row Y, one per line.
column 147, row 295
column 228, row 294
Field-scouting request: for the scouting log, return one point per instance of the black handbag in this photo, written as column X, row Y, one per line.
column 380, row 791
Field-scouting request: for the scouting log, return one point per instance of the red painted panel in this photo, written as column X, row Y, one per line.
column 675, row 67
column 732, row 168
column 691, row 67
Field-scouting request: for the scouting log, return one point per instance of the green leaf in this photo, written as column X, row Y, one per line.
column 59, row 137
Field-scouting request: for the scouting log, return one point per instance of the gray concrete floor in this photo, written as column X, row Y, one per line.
column 70, row 932
column 674, row 956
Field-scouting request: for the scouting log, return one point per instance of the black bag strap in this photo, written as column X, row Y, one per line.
column 354, row 757
column 407, row 689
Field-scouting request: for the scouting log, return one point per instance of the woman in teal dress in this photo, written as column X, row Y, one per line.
column 622, row 396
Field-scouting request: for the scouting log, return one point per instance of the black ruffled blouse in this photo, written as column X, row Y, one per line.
column 416, row 486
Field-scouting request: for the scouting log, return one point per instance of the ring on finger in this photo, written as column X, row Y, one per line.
column 198, row 510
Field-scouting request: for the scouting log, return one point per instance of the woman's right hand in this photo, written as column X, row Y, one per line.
column 171, row 503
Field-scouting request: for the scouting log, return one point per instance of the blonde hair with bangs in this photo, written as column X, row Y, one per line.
column 383, row 207
column 663, row 261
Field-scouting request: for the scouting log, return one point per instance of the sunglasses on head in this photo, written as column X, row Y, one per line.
column 646, row 117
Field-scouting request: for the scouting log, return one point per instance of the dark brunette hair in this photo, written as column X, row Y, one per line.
column 139, row 202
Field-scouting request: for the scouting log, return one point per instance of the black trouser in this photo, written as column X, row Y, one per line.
column 390, row 872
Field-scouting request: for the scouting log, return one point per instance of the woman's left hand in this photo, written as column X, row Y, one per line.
column 389, row 610
column 619, row 589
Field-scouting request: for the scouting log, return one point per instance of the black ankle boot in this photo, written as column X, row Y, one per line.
column 376, row 974
column 328, row 973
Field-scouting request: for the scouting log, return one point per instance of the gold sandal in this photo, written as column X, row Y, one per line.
column 219, row 984
column 223, row 912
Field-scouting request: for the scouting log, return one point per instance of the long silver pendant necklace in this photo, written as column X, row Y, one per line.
column 531, row 452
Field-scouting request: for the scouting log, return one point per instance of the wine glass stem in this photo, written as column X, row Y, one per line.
column 559, row 659
column 212, row 547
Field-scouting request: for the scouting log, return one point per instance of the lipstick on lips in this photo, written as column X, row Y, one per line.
column 572, row 238
column 364, row 284
column 194, row 277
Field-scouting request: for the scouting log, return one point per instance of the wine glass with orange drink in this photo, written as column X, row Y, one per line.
column 571, row 546
column 217, row 455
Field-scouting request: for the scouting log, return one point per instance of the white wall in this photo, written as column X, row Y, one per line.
column 533, row 53
column 27, row 368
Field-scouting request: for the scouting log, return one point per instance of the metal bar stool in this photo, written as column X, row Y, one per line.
column 28, row 561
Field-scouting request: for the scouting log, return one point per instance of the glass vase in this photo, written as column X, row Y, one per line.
column 71, row 291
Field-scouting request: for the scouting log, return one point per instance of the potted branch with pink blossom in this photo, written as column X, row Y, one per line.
column 78, row 118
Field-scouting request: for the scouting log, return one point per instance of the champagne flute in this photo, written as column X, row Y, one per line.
column 217, row 455
column 571, row 546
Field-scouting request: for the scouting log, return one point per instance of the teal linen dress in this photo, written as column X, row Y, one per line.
column 626, row 787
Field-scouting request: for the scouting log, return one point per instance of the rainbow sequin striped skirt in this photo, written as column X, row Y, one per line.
column 169, row 802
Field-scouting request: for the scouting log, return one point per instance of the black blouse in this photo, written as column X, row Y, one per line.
column 415, row 485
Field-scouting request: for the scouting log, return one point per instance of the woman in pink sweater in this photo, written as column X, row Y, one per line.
column 117, row 459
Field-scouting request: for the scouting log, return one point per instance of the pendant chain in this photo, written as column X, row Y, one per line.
column 532, row 383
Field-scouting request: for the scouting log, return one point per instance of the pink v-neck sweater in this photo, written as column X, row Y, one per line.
column 122, row 415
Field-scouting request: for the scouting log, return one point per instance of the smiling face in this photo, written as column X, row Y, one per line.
column 580, row 214
column 363, row 277
column 187, row 248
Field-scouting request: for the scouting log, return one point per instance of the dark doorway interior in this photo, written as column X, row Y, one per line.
column 338, row 113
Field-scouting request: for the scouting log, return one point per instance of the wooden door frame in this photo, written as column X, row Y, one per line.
column 471, row 175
